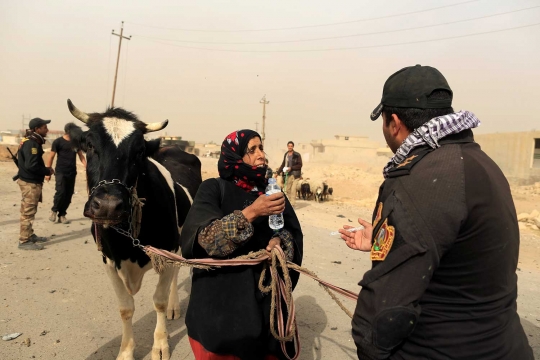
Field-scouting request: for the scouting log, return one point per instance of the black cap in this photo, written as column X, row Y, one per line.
column 37, row 122
column 410, row 88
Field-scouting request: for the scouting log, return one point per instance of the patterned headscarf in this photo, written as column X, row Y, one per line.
column 231, row 167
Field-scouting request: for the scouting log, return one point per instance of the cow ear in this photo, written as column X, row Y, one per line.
column 78, row 139
column 152, row 146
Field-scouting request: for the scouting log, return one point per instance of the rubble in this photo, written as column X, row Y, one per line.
column 531, row 221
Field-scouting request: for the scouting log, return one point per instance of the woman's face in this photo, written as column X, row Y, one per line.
column 254, row 155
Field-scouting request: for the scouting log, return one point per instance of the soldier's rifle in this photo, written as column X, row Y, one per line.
column 15, row 160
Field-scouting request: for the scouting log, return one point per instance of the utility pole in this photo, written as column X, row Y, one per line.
column 118, row 59
column 25, row 122
column 257, row 126
column 264, row 102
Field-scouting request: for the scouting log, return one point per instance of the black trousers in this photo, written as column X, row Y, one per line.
column 65, row 186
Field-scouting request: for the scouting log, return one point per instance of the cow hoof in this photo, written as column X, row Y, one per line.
column 174, row 313
column 161, row 352
column 125, row 356
column 126, row 350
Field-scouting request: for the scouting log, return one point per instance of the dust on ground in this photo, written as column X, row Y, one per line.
column 62, row 302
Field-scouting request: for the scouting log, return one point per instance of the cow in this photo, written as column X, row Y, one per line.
column 121, row 168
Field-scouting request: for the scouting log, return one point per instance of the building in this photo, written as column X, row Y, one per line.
column 517, row 154
column 344, row 149
column 187, row 146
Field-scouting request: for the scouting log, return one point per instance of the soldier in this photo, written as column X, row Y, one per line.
column 444, row 240
column 32, row 171
column 65, row 172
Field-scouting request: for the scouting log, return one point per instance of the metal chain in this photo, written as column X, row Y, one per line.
column 136, row 242
column 112, row 182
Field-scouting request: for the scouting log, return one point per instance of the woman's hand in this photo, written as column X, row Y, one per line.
column 272, row 243
column 265, row 206
column 359, row 240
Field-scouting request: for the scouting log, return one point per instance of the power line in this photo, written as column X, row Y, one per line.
column 348, row 48
column 310, row 26
column 341, row 36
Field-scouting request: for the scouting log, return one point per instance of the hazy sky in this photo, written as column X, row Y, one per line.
column 54, row 50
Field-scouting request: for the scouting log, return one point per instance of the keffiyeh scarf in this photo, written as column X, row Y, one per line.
column 430, row 133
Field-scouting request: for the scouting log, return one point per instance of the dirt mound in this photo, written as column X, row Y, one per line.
column 4, row 154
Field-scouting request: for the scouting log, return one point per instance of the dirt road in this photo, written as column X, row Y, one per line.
column 61, row 299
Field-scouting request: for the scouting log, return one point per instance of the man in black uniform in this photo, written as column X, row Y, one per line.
column 32, row 171
column 65, row 172
column 444, row 240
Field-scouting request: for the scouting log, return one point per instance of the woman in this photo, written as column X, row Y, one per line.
column 228, row 317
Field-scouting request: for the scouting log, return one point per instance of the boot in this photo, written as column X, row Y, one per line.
column 63, row 220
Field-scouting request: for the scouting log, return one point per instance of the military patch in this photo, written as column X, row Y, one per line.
column 407, row 161
column 34, row 151
column 378, row 216
column 382, row 243
column 405, row 167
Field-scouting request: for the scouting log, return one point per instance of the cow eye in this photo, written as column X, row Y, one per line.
column 89, row 145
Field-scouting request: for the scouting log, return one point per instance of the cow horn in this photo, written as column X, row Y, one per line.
column 156, row 126
column 77, row 113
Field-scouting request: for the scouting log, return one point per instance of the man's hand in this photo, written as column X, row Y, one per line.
column 48, row 178
column 272, row 244
column 359, row 240
column 52, row 171
column 265, row 206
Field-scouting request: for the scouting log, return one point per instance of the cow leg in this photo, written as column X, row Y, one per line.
column 160, row 349
column 127, row 308
column 173, row 307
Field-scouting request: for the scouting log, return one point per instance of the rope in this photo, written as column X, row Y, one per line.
column 280, row 287
column 136, row 213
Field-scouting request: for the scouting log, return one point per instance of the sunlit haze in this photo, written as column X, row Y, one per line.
column 55, row 50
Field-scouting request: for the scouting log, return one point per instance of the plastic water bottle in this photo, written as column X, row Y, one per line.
column 275, row 222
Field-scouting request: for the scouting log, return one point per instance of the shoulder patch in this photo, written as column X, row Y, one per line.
column 34, row 151
column 382, row 243
column 405, row 167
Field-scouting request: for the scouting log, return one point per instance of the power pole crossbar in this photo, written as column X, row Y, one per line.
column 121, row 35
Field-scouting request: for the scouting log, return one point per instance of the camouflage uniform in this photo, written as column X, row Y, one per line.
column 32, row 171
column 31, row 195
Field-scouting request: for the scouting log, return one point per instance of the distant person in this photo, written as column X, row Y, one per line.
column 65, row 172
column 32, row 172
column 291, row 169
column 444, row 237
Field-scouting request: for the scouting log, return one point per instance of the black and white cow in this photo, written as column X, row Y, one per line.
column 120, row 160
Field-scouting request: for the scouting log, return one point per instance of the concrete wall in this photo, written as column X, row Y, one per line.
column 514, row 153
column 11, row 139
column 344, row 149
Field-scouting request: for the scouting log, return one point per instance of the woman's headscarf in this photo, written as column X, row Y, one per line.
column 231, row 167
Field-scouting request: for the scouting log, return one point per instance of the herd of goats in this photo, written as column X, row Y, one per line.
column 307, row 189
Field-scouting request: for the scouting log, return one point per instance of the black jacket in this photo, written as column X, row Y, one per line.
column 445, row 248
column 31, row 166
column 296, row 168
column 227, row 313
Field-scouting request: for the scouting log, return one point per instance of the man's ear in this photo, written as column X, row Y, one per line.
column 396, row 125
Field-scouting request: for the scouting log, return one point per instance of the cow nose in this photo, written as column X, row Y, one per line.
column 110, row 208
